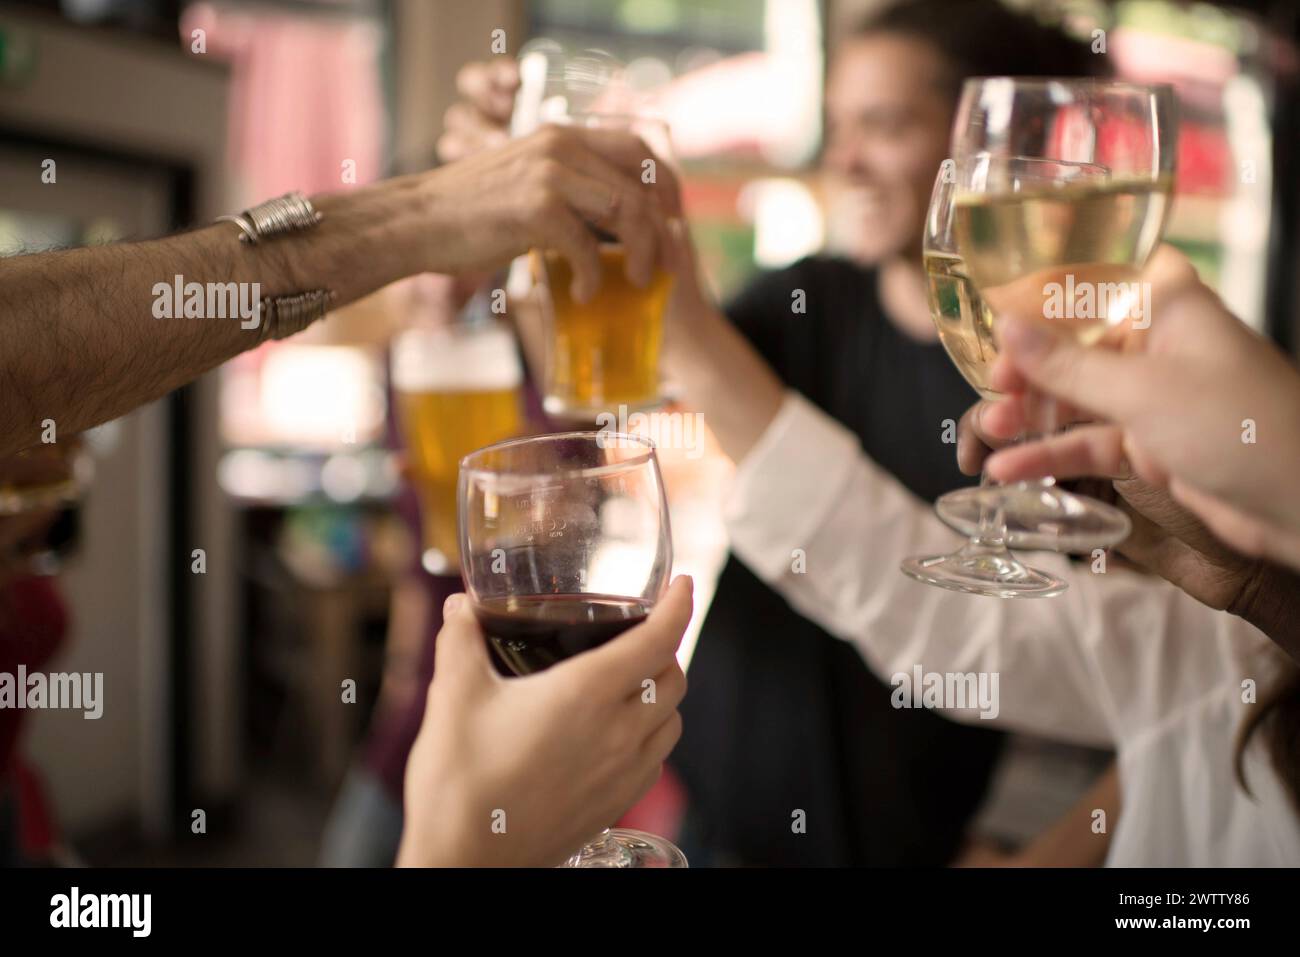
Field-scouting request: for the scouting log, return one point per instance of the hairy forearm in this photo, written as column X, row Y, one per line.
column 722, row 376
column 79, row 341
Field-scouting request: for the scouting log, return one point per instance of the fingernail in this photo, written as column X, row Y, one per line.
column 452, row 604
column 1027, row 339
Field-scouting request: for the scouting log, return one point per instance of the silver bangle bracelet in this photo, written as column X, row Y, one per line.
column 283, row 316
column 289, row 213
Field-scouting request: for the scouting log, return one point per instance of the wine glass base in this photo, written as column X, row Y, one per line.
column 1038, row 516
column 995, row 573
column 623, row 847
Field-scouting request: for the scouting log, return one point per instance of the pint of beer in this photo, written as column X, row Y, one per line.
column 457, row 389
column 603, row 353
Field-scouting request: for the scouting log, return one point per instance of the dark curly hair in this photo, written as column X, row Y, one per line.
column 985, row 38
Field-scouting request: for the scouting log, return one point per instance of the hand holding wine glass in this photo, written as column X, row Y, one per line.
column 550, row 759
column 1071, row 244
column 565, row 545
column 1198, row 403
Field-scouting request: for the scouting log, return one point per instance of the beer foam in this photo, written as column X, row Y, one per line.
column 455, row 359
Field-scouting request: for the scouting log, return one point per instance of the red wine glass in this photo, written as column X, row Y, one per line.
column 565, row 544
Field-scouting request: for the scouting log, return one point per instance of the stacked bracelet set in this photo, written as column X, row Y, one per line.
column 282, row 316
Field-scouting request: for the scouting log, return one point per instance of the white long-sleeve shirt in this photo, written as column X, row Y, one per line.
column 1119, row 660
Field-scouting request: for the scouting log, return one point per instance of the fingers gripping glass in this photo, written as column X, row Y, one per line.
column 565, row 544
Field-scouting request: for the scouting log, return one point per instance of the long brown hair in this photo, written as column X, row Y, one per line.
column 1277, row 717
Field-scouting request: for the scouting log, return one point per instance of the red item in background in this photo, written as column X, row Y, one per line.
column 306, row 107
column 33, row 622
column 661, row 810
column 37, row 832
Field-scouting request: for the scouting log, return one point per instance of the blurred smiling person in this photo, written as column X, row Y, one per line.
column 782, row 714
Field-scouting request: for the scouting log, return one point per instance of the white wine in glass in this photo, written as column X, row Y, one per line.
column 1084, row 242
column 984, row 565
column 964, row 321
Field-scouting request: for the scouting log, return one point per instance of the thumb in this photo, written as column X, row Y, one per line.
column 460, row 651
column 1096, row 379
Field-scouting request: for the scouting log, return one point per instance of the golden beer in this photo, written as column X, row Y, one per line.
column 603, row 353
column 457, row 390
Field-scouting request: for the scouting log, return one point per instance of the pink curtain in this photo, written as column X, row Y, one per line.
column 306, row 97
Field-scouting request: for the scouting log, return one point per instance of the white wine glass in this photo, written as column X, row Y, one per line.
column 1066, row 249
column 983, row 565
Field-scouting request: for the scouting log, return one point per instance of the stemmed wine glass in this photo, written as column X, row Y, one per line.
column 1067, row 249
column 565, row 544
column 984, row 565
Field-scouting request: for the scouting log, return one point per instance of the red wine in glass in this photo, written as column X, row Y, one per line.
column 533, row 632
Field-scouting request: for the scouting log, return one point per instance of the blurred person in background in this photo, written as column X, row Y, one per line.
column 1184, row 692
column 784, row 716
column 365, row 823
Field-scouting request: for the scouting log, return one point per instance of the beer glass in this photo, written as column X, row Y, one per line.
column 457, row 388
column 604, row 353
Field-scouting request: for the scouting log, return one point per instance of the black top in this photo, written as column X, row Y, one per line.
column 781, row 716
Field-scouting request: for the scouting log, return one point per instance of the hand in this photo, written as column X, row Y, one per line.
column 479, row 120
column 563, row 753
column 547, row 191
column 1177, row 408
column 1167, row 539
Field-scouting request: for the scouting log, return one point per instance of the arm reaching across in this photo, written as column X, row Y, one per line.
column 82, row 344
column 826, row 527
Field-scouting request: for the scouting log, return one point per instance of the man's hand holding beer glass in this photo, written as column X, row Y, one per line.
column 549, row 191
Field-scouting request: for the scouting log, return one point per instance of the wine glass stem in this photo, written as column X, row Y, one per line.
column 992, row 525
